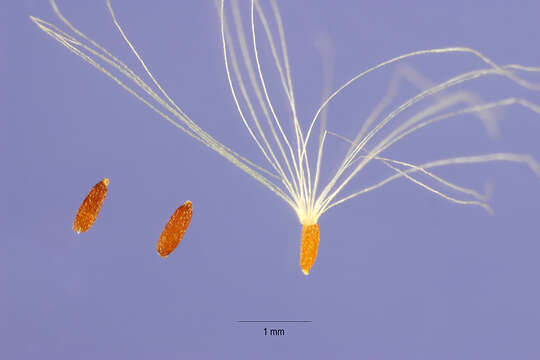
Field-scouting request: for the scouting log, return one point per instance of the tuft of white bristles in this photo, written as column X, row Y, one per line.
column 290, row 174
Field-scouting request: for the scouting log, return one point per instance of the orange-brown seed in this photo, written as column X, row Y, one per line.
column 309, row 247
column 90, row 207
column 175, row 229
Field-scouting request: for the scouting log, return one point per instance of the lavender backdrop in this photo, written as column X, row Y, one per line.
column 401, row 274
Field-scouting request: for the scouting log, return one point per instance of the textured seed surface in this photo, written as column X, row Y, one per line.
column 90, row 207
column 175, row 229
column 309, row 247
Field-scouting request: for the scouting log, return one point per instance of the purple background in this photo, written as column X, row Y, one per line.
column 401, row 273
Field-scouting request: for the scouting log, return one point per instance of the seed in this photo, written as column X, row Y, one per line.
column 309, row 246
column 90, row 207
column 175, row 229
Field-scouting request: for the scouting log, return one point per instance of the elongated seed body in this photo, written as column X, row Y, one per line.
column 90, row 207
column 309, row 247
column 175, row 229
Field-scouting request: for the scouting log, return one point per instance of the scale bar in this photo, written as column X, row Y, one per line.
column 274, row 321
